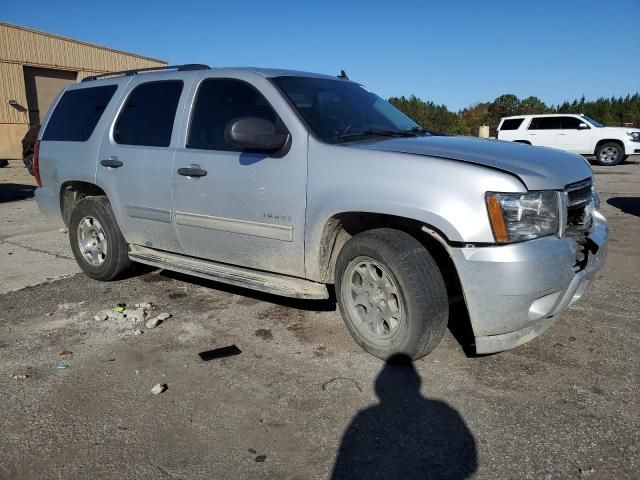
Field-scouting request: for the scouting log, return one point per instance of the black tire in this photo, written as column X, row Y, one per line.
column 28, row 162
column 116, row 259
column 610, row 146
column 420, row 285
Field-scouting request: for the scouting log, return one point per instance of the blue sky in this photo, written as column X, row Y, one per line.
column 451, row 52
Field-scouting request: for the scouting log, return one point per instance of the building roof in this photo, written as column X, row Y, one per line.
column 80, row 42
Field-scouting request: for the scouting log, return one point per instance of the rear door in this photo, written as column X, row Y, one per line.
column 135, row 161
column 248, row 208
column 543, row 131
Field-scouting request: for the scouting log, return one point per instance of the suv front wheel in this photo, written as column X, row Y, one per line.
column 96, row 240
column 391, row 294
column 610, row 154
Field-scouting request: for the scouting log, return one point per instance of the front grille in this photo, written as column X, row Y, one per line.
column 579, row 206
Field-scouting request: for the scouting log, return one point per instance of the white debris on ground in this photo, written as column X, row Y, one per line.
column 136, row 316
column 63, row 230
column 159, row 388
column 153, row 323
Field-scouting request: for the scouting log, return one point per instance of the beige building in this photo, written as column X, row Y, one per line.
column 35, row 66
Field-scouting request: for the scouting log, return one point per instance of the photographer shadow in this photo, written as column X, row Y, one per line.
column 405, row 436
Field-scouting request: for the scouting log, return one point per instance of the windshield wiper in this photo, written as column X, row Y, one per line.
column 383, row 133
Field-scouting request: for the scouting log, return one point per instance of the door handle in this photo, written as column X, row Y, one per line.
column 192, row 171
column 111, row 162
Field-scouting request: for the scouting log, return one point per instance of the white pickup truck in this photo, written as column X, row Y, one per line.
column 572, row 133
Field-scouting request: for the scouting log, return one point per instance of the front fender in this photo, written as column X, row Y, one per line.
column 446, row 195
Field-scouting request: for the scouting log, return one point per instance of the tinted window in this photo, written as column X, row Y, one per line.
column 218, row 102
column 147, row 116
column 511, row 124
column 77, row 114
column 570, row 123
column 545, row 123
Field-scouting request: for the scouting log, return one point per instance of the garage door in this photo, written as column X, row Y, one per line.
column 42, row 86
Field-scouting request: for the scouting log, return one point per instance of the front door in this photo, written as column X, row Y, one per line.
column 574, row 136
column 237, row 207
column 135, row 162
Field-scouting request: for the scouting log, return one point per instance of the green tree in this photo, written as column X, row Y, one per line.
column 532, row 105
column 431, row 116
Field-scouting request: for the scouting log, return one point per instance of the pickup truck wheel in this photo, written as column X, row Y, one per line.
column 610, row 154
column 96, row 240
column 391, row 294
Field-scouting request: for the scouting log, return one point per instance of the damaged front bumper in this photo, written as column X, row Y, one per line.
column 514, row 292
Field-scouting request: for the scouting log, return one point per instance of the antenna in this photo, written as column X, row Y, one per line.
column 343, row 75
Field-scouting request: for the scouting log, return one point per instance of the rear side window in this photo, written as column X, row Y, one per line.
column 147, row 116
column 77, row 114
column 511, row 124
column 545, row 123
column 218, row 102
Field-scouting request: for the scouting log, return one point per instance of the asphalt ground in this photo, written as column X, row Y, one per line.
column 300, row 400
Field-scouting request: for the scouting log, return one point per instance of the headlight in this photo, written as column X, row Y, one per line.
column 635, row 136
column 522, row 216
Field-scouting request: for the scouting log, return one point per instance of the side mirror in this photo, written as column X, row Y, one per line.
column 254, row 133
column 583, row 126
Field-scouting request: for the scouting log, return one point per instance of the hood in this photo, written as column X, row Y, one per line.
column 620, row 129
column 537, row 167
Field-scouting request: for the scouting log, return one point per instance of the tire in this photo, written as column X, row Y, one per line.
column 610, row 154
column 28, row 162
column 92, row 222
column 414, row 317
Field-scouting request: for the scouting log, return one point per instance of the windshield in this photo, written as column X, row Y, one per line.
column 340, row 111
column 593, row 122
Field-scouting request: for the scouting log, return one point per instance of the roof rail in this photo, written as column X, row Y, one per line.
column 180, row 68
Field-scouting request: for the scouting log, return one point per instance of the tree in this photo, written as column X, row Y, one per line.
column 430, row 116
column 475, row 116
column 531, row 106
column 610, row 111
column 503, row 106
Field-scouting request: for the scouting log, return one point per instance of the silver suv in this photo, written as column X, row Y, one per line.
column 289, row 182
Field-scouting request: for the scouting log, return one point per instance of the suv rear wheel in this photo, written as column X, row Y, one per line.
column 96, row 240
column 610, row 154
column 391, row 294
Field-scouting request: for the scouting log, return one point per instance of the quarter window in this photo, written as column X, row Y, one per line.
column 77, row 114
column 148, row 114
column 218, row 102
column 511, row 124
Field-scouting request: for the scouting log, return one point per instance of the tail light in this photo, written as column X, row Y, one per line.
column 36, row 162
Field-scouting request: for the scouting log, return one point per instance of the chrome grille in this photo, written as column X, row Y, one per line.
column 579, row 206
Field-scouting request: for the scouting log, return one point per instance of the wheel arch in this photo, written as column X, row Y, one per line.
column 610, row 140
column 340, row 227
column 72, row 192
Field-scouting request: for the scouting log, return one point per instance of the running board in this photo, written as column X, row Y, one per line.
column 239, row 276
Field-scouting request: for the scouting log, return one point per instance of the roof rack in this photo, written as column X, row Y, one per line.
column 180, row 68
